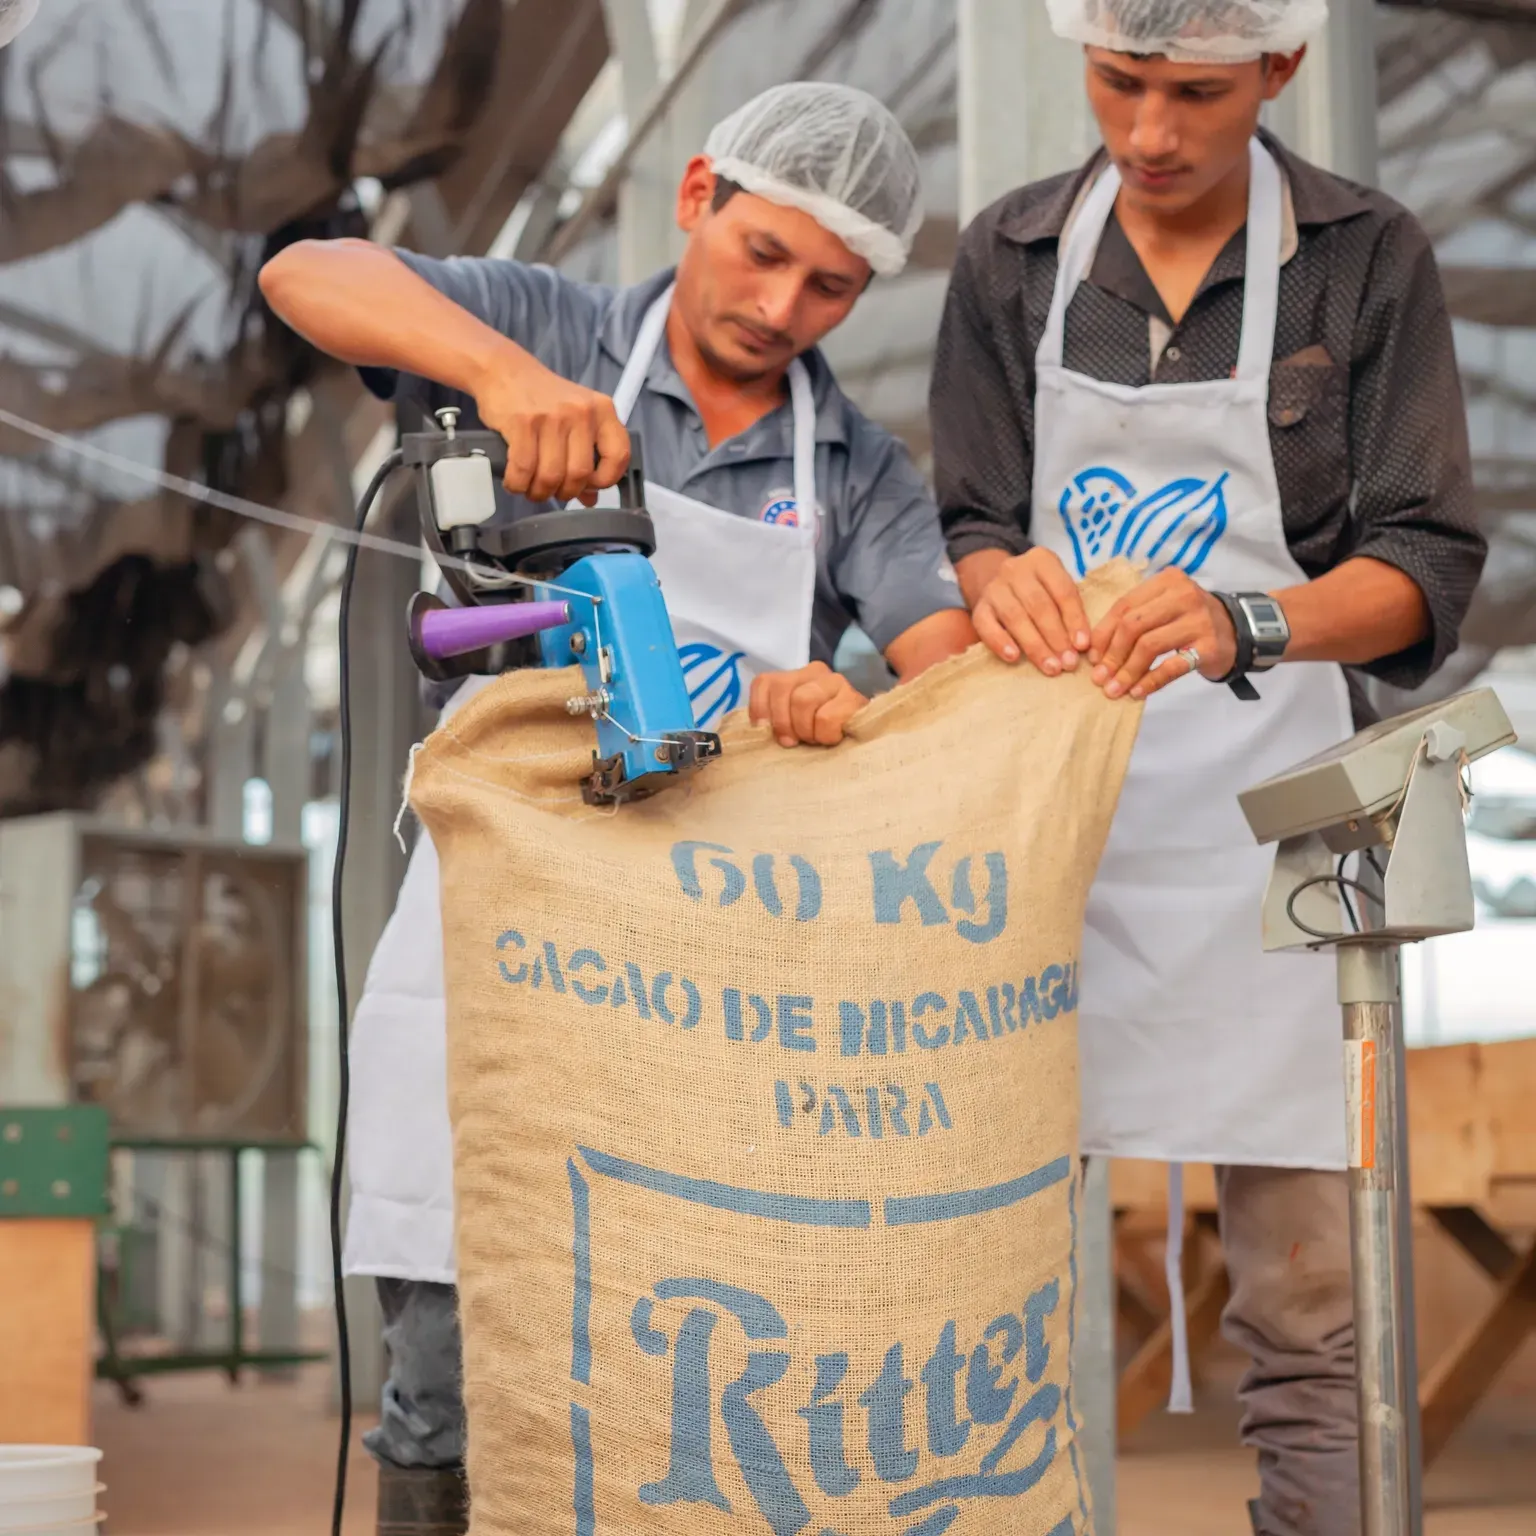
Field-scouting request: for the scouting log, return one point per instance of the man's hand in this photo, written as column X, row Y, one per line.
column 1165, row 614
column 811, row 705
column 1031, row 607
column 564, row 442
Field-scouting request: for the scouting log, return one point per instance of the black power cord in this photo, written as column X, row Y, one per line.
column 1349, row 906
column 1344, row 886
column 344, row 1074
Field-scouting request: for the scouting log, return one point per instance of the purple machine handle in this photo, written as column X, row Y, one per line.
column 448, row 632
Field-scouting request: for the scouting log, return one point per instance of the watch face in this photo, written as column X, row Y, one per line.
column 1266, row 618
column 1267, row 626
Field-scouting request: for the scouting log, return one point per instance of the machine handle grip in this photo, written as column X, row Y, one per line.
column 422, row 449
column 632, row 485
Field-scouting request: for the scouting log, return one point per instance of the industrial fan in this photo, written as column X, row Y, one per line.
column 184, row 1004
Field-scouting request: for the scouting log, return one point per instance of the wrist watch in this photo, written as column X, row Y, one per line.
column 1263, row 634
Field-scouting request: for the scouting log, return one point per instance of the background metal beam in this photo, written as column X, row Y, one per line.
column 1521, row 12
column 601, row 199
column 1022, row 107
column 1503, row 296
column 645, row 203
column 1328, row 115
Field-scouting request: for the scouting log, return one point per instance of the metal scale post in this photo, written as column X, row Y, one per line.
column 1400, row 787
column 1374, row 1095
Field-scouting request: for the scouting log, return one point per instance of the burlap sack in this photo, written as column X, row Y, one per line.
column 764, row 1096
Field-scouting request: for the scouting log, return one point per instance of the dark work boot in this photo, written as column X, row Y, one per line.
column 423, row 1501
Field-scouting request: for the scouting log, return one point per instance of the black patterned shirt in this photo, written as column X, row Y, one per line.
column 1366, row 416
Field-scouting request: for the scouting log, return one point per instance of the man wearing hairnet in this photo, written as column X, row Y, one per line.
column 781, row 513
column 1204, row 354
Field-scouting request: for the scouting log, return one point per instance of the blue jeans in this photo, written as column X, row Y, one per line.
column 421, row 1422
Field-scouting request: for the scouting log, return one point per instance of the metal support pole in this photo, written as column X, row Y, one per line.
column 700, row 39
column 1328, row 116
column 646, row 196
column 236, row 1270
column 388, row 717
column 231, row 759
column 1023, row 112
column 287, row 769
column 212, row 1252
column 1407, row 1288
column 1407, row 1282
column 278, row 1318
column 168, row 1191
column 1368, row 993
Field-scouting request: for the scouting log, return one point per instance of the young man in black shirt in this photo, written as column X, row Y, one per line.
column 1202, row 353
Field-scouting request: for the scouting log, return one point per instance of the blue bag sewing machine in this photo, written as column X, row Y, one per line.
column 573, row 586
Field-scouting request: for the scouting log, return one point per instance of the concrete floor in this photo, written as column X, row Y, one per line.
column 203, row 1459
column 1189, row 1477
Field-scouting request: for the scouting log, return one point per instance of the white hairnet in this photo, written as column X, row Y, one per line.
column 832, row 152
column 1191, row 31
column 14, row 15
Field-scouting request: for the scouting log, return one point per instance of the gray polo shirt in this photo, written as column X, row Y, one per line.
column 881, row 561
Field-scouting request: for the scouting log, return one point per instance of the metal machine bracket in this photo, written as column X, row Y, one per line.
column 1298, row 893
column 622, row 639
column 1429, row 881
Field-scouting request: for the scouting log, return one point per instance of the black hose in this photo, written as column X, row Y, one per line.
column 344, row 1075
column 1344, row 886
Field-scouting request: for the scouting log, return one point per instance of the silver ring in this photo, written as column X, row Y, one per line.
column 1192, row 656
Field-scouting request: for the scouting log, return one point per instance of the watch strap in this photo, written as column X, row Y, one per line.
column 1237, row 678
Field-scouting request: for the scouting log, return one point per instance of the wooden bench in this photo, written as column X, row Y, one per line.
column 53, row 1190
column 1472, row 1132
column 47, row 1331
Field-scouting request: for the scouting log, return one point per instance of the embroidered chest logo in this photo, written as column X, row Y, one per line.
column 782, row 513
column 1176, row 525
column 713, row 679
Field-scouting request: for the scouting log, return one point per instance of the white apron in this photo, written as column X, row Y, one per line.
column 740, row 594
column 1196, row 1045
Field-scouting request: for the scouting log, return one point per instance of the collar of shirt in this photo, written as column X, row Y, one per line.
column 770, row 438
column 1312, row 200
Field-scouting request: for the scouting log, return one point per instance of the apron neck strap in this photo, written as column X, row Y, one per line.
column 1074, row 261
column 1261, row 293
column 647, row 343
column 802, row 399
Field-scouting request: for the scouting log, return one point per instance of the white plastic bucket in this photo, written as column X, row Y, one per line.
column 47, row 1514
column 46, row 1472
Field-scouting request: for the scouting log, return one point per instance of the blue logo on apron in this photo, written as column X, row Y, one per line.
column 713, row 679
column 1178, row 525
